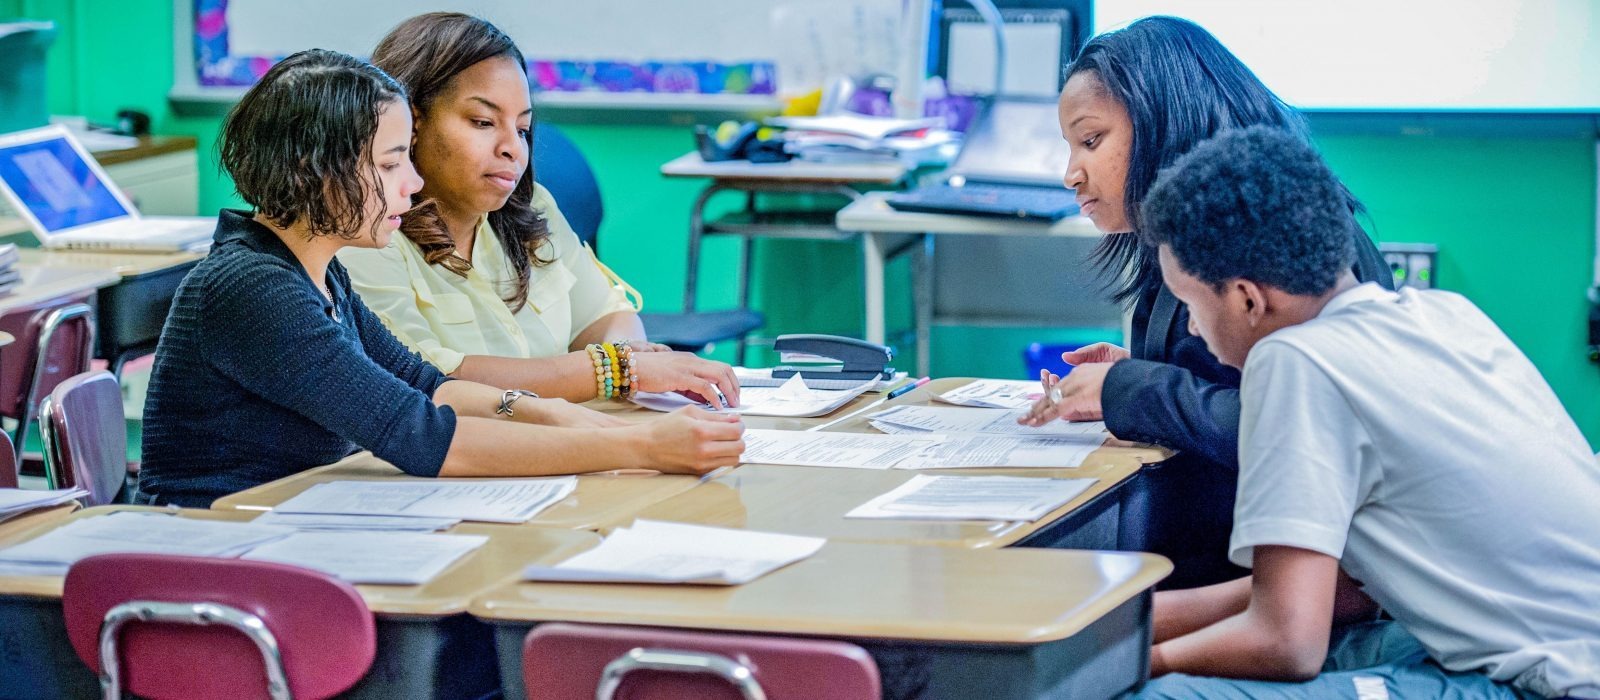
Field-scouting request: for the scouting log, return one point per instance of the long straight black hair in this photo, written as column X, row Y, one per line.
column 1180, row 86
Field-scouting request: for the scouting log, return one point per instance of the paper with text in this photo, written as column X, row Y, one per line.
column 18, row 501
column 143, row 533
column 820, row 449
column 927, row 497
column 651, row 551
column 985, row 421
column 487, row 500
column 397, row 558
column 994, row 393
column 323, row 521
column 790, row 400
column 967, row 450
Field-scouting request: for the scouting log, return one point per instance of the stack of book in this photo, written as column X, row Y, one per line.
column 10, row 276
column 850, row 138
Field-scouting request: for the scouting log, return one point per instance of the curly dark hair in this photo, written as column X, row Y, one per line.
column 299, row 143
column 426, row 53
column 1180, row 86
column 1256, row 204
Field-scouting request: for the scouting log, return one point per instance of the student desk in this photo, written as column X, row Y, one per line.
column 755, row 179
column 133, row 300
column 885, row 234
column 427, row 647
column 813, row 500
column 971, row 624
column 43, row 283
column 601, row 500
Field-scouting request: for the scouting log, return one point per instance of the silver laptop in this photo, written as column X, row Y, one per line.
column 55, row 186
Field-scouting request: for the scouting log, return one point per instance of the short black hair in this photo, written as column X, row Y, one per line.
column 1257, row 204
column 298, row 144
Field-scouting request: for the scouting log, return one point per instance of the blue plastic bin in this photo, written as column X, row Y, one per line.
column 1041, row 356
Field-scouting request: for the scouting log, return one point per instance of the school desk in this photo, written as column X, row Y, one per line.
column 40, row 284
column 997, row 625
column 836, row 181
column 132, row 305
column 427, row 647
column 887, row 233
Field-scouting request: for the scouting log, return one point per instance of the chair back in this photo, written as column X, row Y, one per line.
column 562, row 661
column 85, row 436
column 162, row 626
column 562, row 169
column 53, row 341
column 8, row 463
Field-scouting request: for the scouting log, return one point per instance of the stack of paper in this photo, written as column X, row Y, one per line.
column 791, row 400
column 967, row 450
column 340, row 523
column 487, row 500
column 762, row 377
column 989, row 437
column 994, row 393
column 820, row 449
column 398, row 558
column 14, row 502
column 972, row 498
column 658, row 552
column 52, row 553
column 852, row 138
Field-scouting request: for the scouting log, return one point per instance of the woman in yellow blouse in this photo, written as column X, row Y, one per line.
column 489, row 282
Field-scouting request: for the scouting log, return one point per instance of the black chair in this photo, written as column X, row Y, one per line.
column 562, row 169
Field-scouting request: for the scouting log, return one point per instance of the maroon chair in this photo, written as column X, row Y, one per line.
column 8, row 463
column 54, row 340
column 164, row 626
column 562, row 661
column 85, row 436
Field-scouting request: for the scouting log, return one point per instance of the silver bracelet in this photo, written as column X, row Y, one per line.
column 510, row 396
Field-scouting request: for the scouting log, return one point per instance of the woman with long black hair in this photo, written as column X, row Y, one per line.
column 1136, row 100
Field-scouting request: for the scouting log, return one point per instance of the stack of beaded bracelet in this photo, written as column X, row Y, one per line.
column 614, row 374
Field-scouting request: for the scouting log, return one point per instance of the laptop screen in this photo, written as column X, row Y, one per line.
column 56, row 184
column 1018, row 140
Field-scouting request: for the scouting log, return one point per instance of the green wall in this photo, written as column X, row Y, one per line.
column 1513, row 215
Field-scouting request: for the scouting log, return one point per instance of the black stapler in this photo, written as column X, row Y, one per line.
column 860, row 359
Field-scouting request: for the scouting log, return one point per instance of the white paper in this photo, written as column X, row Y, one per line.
column 967, row 450
column 658, row 552
column 984, row 421
column 488, row 500
column 792, row 399
column 820, row 449
column 972, row 498
column 322, row 521
column 994, row 393
column 15, row 502
column 399, row 558
column 152, row 533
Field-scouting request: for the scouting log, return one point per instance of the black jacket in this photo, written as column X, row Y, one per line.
column 1174, row 392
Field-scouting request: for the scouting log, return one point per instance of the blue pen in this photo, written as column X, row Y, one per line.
column 907, row 388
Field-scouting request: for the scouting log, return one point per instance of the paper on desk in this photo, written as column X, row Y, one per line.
column 820, row 449
column 658, row 552
column 398, row 558
column 790, row 400
column 994, row 393
column 152, row 533
column 984, row 421
column 324, row 521
column 968, row 450
column 762, row 377
column 972, row 498
column 14, row 502
column 488, row 500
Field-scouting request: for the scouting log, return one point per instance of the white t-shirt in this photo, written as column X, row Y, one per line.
column 1406, row 435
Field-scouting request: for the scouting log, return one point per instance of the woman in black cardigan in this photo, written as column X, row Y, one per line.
column 1135, row 100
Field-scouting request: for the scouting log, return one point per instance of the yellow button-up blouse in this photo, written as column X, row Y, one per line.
column 444, row 317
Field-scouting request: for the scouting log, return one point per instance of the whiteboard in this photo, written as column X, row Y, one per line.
column 808, row 41
column 1403, row 55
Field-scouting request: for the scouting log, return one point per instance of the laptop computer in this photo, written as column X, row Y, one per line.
column 63, row 194
column 1011, row 166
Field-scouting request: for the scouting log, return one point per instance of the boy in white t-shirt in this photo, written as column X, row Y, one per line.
column 1395, row 448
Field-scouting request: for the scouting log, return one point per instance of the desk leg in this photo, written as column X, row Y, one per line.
column 922, row 302
column 872, row 258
